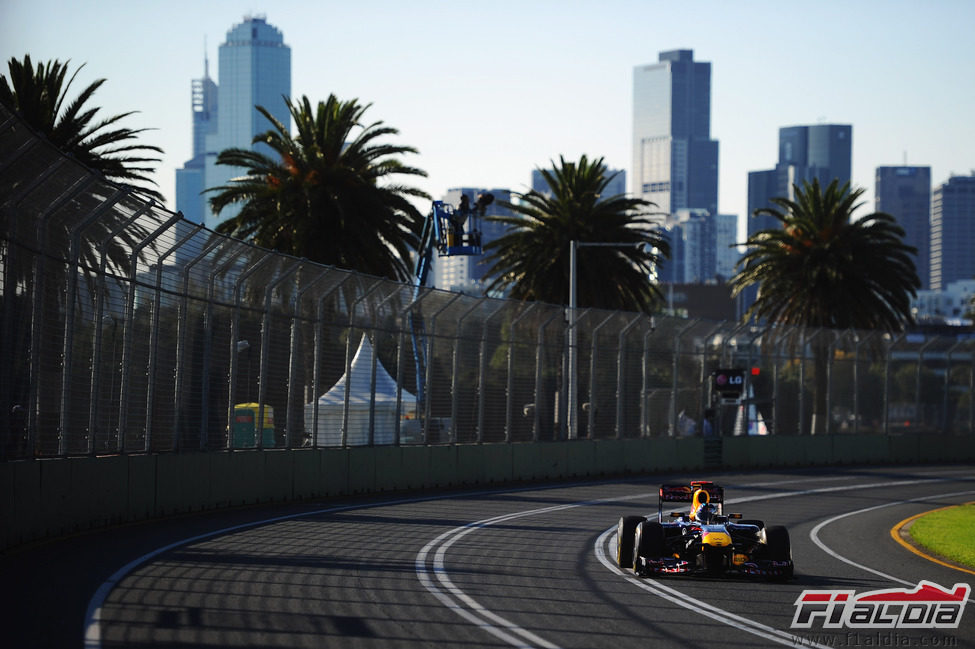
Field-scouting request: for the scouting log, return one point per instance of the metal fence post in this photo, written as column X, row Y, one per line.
column 833, row 347
column 455, row 368
column 183, row 323
column 856, row 380
column 919, row 414
column 947, row 386
column 372, row 368
column 428, row 379
column 591, row 419
column 265, row 351
column 293, row 361
column 482, row 372
column 128, row 331
column 319, row 342
column 539, row 394
column 570, row 379
column 676, row 364
column 235, row 349
column 892, row 342
column 344, row 441
column 645, row 384
column 38, row 271
column 620, row 373
column 93, row 407
column 154, row 338
column 509, row 384
column 67, row 347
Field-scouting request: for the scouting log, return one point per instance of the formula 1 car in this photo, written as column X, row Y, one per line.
column 703, row 541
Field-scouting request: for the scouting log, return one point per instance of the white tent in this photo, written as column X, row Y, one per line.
column 331, row 405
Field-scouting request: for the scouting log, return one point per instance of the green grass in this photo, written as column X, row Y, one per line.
column 949, row 533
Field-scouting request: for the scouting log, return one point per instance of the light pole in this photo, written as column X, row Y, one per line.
column 572, row 417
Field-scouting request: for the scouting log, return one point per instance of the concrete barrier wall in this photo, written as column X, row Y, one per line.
column 49, row 498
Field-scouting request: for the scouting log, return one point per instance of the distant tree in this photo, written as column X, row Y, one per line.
column 39, row 94
column 823, row 268
column 327, row 193
column 531, row 261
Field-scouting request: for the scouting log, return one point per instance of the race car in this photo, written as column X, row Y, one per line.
column 703, row 540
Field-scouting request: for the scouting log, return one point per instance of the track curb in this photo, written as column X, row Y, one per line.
column 901, row 534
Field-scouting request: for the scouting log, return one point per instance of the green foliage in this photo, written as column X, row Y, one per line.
column 532, row 259
column 949, row 533
column 822, row 268
column 328, row 193
column 39, row 94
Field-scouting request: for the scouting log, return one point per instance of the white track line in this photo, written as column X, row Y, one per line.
column 466, row 606
column 814, row 534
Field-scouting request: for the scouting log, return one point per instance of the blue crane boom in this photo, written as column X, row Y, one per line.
column 452, row 232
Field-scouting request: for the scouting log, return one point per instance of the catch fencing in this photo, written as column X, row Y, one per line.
column 126, row 329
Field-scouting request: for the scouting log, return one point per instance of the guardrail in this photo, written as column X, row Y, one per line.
column 53, row 497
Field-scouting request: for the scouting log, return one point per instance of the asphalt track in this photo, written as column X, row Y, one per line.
column 526, row 567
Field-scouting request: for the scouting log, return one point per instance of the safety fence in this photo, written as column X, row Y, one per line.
column 126, row 329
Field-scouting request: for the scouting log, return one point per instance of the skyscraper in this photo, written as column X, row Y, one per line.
column 905, row 193
column 823, row 151
column 675, row 161
column 254, row 70
column 189, row 179
column 702, row 247
column 953, row 231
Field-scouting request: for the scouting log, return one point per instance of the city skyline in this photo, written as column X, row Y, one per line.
column 441, row 73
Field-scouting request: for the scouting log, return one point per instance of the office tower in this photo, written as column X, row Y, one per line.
column 726, row 252
column 905, row 193
column 254, row 70
column 189, row 179
column 953, row 231
column 675, row 161
column 615, row 187
column 702, row 247
column 823, row 151
column 465, row 273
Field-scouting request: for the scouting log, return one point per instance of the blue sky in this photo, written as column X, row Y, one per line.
column 487, row 91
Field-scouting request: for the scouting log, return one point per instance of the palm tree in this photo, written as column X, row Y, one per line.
column 532, row 259
column 325, row 194
column 39, row 94
column 825, row 269
column 39, row 98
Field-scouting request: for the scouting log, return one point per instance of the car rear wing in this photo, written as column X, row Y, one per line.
column 684, row 493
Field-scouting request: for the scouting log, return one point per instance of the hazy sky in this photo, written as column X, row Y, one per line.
column 489, row 90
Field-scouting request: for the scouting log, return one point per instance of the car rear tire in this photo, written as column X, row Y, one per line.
column 624, row 540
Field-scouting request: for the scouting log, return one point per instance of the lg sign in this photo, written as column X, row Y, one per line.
column 729, row 381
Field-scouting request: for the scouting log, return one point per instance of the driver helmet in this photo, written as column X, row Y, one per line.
column 705, row 513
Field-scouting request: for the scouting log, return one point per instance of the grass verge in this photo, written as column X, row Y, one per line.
column 949, row 533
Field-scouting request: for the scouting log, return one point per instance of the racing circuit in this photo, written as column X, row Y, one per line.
column 517, row 567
